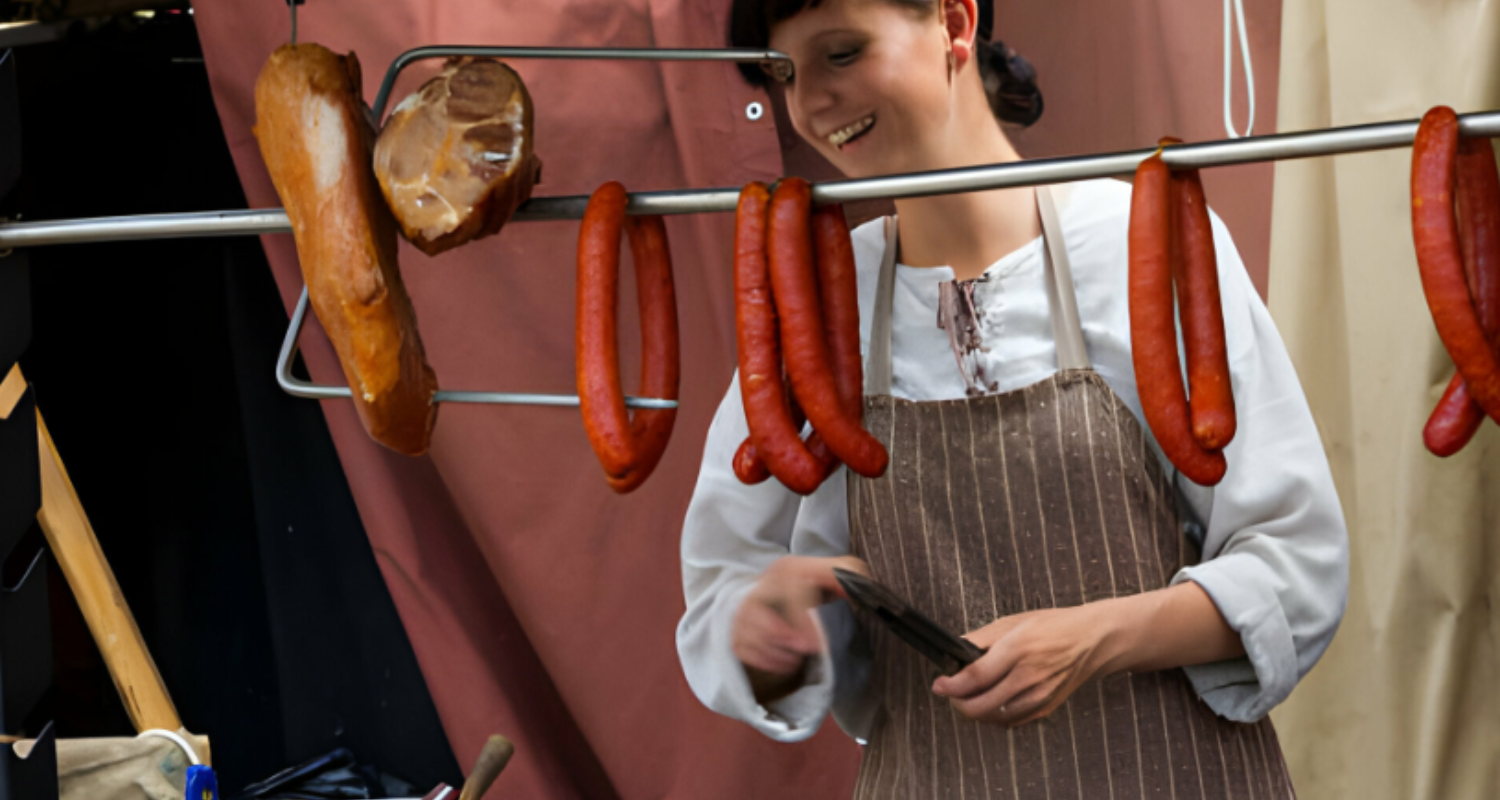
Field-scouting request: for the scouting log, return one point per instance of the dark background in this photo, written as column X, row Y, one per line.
column 218, row 500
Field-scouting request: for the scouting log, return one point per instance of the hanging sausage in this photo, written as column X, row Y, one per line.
column 629, row 447
column 1153, row 325
column 1457, row 416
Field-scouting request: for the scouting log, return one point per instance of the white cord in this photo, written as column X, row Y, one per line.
column 1238, row 8
column 174, row 739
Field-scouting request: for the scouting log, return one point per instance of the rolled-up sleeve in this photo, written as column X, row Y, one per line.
column 1275, row 548
column 732, row 533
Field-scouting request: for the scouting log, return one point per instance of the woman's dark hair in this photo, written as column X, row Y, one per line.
column 1009, row 80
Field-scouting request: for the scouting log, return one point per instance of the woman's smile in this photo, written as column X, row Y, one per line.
column 848, row 133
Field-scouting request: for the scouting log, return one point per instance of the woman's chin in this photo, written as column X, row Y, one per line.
column 857, row 159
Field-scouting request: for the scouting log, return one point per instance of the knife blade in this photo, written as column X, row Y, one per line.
column 937, row 644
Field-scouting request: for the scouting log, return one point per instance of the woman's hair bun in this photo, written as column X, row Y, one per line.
column 1010, row 84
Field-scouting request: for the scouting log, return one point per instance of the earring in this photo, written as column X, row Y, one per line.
column 951, row 65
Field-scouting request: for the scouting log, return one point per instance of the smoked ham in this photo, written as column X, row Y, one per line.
column 454, row 160
column 315, row 138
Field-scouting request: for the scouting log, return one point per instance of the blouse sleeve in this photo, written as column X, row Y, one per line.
column 732, row 533
column 1275, row 549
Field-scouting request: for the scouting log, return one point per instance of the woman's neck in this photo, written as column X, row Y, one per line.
column 969, row 232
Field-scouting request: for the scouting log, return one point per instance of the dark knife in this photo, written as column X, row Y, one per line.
column 948, row 651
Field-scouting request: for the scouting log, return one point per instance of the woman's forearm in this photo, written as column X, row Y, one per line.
column 1174, row 627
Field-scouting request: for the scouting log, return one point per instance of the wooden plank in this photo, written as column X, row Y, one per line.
column 77, row 551
column 11, row 390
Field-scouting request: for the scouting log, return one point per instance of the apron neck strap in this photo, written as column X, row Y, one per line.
column 1067, row 329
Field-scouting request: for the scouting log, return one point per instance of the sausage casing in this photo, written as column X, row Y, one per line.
column 1153, row 328
column 793, row 275
column 776, row 439
column 628, row 449
column 1457, row 417
column 1196, row 276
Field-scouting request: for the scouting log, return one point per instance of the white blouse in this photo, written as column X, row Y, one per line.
column 1275, row 549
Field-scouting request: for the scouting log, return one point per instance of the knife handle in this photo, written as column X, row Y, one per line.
column 493, row 758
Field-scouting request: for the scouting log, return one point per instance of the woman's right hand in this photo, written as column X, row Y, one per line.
column 774, row 632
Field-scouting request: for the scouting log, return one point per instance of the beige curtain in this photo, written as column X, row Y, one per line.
column 1404, row 705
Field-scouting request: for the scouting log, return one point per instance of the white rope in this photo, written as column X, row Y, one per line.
column 174, row 739
column 1238, row 15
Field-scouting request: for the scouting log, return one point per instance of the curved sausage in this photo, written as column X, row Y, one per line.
column 776, row 439
column 1457, row 418
column 1196, row 275
column 807, row 359
column 656, row 296
column 1454, row 421
column 1435, row 232
column 749, row 467
column 839, row 290
column 1153, row 328
column 1478, row 203
column 627, row 449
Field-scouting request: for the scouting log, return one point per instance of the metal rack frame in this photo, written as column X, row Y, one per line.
column 1256, row 149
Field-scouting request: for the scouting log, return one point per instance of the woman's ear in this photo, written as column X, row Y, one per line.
column 960, row 18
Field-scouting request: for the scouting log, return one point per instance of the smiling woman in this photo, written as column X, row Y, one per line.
column 1137, row 627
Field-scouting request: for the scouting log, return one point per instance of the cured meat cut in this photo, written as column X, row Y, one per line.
column 454, row 160
column 315, row 139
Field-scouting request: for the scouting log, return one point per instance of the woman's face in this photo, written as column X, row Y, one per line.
column 870, row 88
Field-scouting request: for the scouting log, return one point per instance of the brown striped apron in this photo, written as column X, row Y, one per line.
column 1043, row 497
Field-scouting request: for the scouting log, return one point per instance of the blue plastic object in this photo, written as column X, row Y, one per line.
column 201, row 783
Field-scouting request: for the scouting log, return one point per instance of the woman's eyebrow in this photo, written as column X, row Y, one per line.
column 820, row 35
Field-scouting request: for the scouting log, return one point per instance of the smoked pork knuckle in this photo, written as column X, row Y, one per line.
column 455, row 158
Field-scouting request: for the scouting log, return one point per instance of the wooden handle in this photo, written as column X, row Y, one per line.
column 492, row 759
column 11, row 390
column 73, row 543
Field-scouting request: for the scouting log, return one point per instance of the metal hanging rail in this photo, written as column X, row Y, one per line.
column 1228, row 152
column 383, row 96
column 1275, row 147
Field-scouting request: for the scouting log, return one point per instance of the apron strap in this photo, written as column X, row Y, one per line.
column 1067, row 329
column 878, row 362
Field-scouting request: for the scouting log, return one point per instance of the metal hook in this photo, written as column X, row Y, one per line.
column 299, row 388
column 6, row 220
column 292, row 4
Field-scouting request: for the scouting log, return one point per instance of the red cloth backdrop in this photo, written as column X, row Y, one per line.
column 539, row 604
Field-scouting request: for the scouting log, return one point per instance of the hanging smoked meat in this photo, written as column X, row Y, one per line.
column 315, row 139
column 454, row 160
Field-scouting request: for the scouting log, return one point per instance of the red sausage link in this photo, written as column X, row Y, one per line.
column 597, row 352
column 1454, row 422
column 1457, row 417
column 656, row 296
column 1153, row 328
column 1435, row 232
column 802, row 332
column 749, row 467
column 839, row 291
column 776, row 439
column 839, row 288
column 1196, row 275
column 628, row 450
column 1479, row 230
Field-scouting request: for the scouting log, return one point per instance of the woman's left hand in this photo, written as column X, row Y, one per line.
column 1035, row 661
